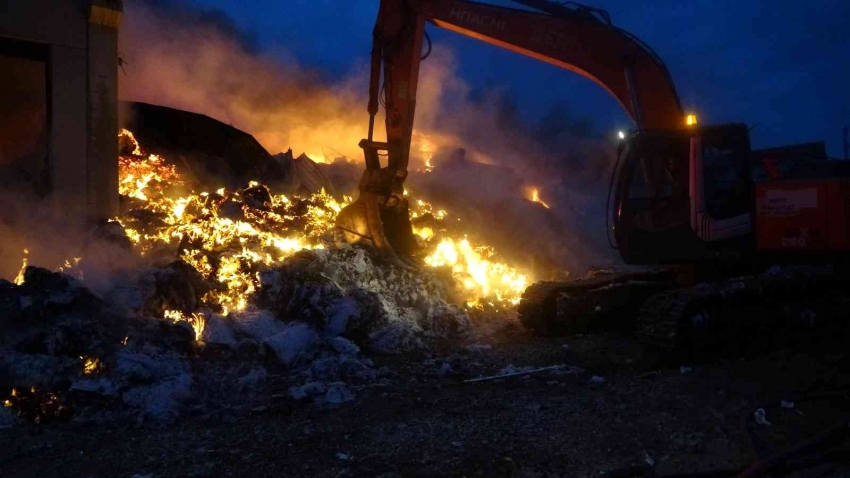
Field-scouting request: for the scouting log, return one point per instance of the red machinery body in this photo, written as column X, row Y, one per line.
column 803, row 215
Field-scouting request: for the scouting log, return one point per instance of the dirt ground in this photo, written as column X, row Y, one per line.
column 431, row 424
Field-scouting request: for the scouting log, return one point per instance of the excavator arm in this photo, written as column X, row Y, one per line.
column 578, row 38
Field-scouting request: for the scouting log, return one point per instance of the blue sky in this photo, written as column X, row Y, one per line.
column 781, row 66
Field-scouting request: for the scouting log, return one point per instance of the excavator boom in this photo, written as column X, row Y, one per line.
column 578, row 38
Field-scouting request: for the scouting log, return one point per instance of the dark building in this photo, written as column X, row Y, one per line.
column 58, row 104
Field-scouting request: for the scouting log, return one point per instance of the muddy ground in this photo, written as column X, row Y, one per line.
column 427, row 423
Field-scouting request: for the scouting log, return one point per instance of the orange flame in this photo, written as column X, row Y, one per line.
column 535, row 197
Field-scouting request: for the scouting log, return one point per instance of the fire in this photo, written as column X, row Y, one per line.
column 230, row 236
column 423, row 232
column 197, row 321
column 488, row 281
column 90, row 365
column 19, row 279
column 427, row 149
column 535, row 197
column 137, row 151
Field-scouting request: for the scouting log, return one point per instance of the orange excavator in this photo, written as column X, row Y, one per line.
column 578, row 38
column 681, row 193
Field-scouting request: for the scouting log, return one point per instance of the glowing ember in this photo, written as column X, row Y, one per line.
column 91, row 365
column 19, row 279
column 535, row 197
column 230, row 236
column 37, row 405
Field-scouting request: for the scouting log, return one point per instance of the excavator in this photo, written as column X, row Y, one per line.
column 681, row 192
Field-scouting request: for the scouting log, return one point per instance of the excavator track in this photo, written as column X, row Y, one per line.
column 662, row 317
column 740, row 316
column 607, row 299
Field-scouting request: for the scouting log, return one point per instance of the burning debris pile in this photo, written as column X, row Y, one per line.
column 248, row 274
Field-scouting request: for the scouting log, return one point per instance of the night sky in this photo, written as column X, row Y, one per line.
column 781, row 66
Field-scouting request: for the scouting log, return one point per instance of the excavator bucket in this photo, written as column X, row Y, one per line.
column 387, row 230
column 379, row 218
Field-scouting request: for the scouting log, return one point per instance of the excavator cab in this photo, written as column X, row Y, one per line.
column 682, row 195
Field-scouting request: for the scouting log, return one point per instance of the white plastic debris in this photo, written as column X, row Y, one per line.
column 597, row 379
column 309, row 389
column 760, row 417
column 252, row 379
column 684, row 370
column 162, row 401
column 394, row 339
column 787, row 404
column 477, row 348
column 293, row 344
column 343, row 456
column 338, row 393
column 99, row 386
column 511, row 370
column 648, row 459
column 344, row 346
column 257, row 324
column 342, row 311
column 217, row 331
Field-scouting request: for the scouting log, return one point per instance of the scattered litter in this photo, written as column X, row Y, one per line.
column 648, row 459
column 683, row 370
column 457, row 444
column 516, row 372
column 760, row 417
column 343, row 456
column 597, row 379
column 786, row 404
column 565, row 347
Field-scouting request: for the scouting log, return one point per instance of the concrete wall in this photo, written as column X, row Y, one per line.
column 103, row 120
column 83, row 88
column 68, row 146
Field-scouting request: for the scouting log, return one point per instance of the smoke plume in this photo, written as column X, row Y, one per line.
column 196, row 59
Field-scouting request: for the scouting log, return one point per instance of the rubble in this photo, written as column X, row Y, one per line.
column 292, row 344
column 337, row 394
column 208, row 294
